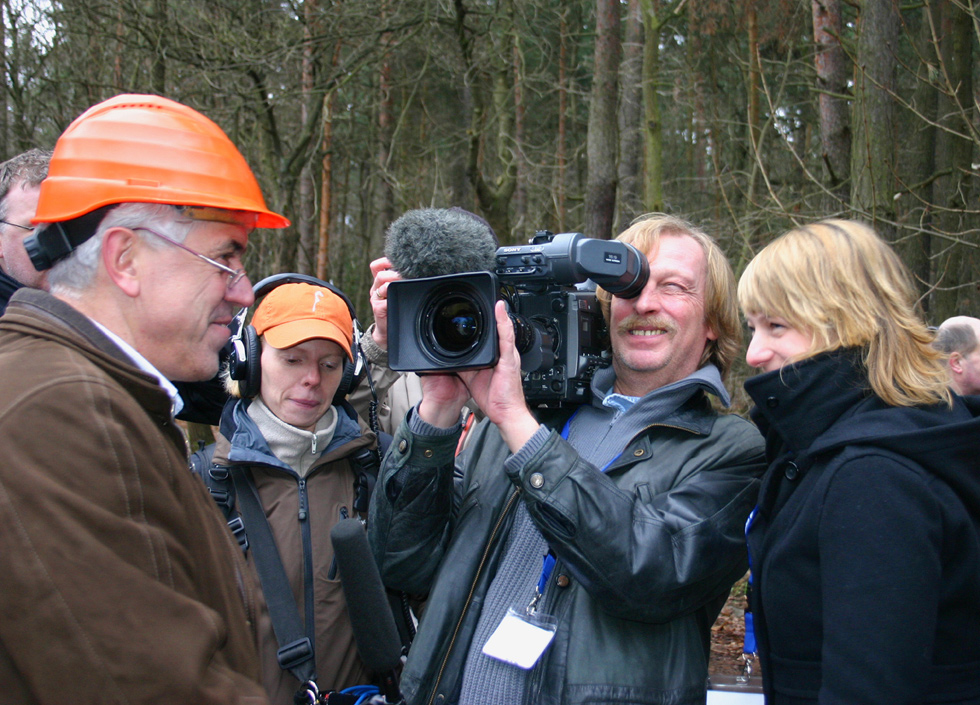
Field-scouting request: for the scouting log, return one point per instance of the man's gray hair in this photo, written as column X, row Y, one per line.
column 76, row 273
column 956, row 337
column 26, row 169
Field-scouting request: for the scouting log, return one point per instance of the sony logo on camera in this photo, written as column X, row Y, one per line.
column 446, row 323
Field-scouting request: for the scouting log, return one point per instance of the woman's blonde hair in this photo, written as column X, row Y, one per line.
column 720, row 310
column 839, row 281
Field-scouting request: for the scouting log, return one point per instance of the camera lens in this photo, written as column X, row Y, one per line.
column 453, row 323
column 456, row 325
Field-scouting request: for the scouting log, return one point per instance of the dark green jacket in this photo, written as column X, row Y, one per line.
column 647, row 553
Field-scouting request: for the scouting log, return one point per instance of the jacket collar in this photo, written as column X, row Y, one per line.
column 241, row 441
column 801, row 401
column 39, row 314
column 707, row 378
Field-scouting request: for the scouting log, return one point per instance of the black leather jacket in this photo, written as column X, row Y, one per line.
column 647, row 552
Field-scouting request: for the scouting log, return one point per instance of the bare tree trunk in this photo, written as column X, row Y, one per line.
column 520, row 163
column 955, row 267
column 873, row 145
column 305, row 254
column 326, row 190
column 494, row 199
column 832, row 75
column 159, row 69
column 600, row 192
column 754, row 113
column 656, row 17
column 385, row 200
column 4, row 127
column 562, row 145
column 326, row 181
column 629, row 196
column 117, row 75
column 917, row 204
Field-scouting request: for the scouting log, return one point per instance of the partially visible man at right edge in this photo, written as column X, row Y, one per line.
column 959, row 338
column 20, row 185
column 640, row 496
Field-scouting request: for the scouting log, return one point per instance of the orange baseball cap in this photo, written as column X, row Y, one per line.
column 294, row 313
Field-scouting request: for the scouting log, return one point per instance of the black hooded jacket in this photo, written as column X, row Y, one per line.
column 865, row 547
column 8, row 285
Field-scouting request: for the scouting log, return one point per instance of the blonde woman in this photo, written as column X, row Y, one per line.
column 864, row 546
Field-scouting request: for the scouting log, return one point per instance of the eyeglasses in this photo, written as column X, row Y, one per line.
column 234, row 275
column 15, row 225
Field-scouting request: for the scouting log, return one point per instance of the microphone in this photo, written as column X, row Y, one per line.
column 367, row 605
column 432, row 242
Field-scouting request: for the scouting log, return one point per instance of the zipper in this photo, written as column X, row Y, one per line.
column 469, row 597
column 307, row 539
column 304, row 500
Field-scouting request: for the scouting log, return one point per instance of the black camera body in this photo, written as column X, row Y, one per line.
column 447, row 324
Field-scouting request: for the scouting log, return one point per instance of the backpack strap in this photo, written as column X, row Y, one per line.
column 366, row 464
column 218, row 481
column 296, row 652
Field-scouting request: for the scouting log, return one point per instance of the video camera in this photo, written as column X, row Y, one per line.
column 447, row 324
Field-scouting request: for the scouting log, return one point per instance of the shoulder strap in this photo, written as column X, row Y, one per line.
column 219, row 484
column 366, row 463
column 295, row 645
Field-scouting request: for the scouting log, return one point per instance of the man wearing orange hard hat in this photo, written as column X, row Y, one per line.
column 118, row 578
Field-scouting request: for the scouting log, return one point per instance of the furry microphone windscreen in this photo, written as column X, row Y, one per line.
column 431, row 242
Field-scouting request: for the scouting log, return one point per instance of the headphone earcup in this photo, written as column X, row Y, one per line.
column 347, row 383
column 350, row 379
column 244, row 365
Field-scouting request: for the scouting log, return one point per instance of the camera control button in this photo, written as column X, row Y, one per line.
column 537, row 480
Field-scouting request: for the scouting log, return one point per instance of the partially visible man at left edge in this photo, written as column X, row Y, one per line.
column 118, row 580
column 20, row 184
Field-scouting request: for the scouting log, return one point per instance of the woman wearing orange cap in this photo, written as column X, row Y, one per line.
column 290, row 439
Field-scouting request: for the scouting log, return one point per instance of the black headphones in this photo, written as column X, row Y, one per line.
column 243, row 363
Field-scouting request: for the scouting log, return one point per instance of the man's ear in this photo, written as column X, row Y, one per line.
column 120, row 247
column 956, row 363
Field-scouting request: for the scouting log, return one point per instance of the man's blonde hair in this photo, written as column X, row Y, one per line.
column 720, row 311
column 840, row 282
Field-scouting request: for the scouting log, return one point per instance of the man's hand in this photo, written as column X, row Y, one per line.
column 383, row 276
column 499, row 391
column 443, row 397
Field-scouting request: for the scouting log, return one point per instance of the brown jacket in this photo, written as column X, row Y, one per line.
column 118, row 580
column 330, row 487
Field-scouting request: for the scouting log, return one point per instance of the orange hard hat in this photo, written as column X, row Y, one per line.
column 148, row 149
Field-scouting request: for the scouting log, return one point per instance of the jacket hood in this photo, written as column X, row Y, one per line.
column 822, row 404
column 247, row 445
column 8, row 285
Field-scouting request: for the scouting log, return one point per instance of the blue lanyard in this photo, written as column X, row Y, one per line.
column 548, row 565
column 749, row 645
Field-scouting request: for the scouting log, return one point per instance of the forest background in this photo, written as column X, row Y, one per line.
column 746, row 118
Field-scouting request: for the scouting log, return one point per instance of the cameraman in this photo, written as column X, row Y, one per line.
column 639, row 498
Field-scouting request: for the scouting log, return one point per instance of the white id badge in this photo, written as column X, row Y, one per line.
column 520, row 639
